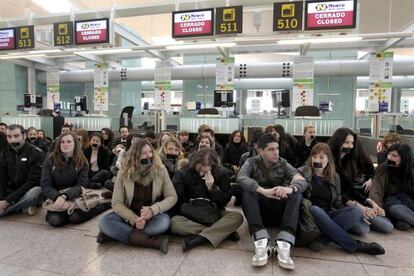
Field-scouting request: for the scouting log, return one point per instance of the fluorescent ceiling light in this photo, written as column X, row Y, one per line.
column 199, row 46
column 21, row 56
column 46, row 51
column 319, row 40
column 104, row 51
column 54, row 6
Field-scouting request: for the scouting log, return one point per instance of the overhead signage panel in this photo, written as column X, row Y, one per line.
column 63, row 33
column 287, row 16
column 7, row 39
column 25, row 37
column 338, row 14
column 193, row 23
column 229, row 20
column 92, row 31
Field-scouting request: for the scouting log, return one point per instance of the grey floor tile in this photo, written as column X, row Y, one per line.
column 209, row 261
column 12, row 270
column 126, row 260
column 62, row 251
column 384, row 270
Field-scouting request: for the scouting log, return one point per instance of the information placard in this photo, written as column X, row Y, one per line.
column 287, row 16
column 63, row 33
column 229, row 20
column 193, row 23
column 25, row 37
column 7, row 39
column 92, row 31
column 336, row 14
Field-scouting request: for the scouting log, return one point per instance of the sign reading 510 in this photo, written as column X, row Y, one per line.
column 287, row 16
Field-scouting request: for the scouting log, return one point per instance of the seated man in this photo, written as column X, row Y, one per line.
column 20, row 170
column 123, row 132
column 271, row 197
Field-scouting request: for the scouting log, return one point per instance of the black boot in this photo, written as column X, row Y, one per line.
column 402, row 225
column 371, row 248
column 102, row 238
column 193, row 241
column 233, row 237
column 141, row 239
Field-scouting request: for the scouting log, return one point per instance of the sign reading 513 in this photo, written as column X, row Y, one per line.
column 229, row 20
column 25, row 37
column 287, row 16
column 63, row 33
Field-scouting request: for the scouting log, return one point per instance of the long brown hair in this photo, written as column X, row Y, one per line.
column 329, row 172
column 206, row 157
column 131, row 161
column 85, row 137
column 78, row 159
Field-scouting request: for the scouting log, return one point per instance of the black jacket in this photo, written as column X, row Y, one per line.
column 189, row 184
column 40, row 144
column 233, row 153
column 55, row 179
column 103, row 159
column 219, row 149
column 303, row 152
column 19, row 171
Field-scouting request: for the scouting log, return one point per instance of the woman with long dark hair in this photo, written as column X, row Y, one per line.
column 332, row 217
column 108, row 137
column 356, row 169
column 234, row 150
column 393, row 187
column 143, row 194
column 64, row 173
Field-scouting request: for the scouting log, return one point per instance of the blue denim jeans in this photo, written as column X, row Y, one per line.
column 117, row 228
column 400, row 207
column 32, row 197
column 335, row 224
column 378, row 223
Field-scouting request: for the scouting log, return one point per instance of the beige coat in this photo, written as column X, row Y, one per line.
column 162, row 187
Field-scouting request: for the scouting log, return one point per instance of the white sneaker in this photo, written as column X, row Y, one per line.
column 262, row 251
column 283, row 255
column 31, row 211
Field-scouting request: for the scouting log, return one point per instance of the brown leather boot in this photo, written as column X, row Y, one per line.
column 140, row 239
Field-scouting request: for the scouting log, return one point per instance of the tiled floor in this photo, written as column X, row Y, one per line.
column 30, row 247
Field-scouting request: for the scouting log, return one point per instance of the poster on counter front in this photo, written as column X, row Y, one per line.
column 101, row 87
column 162, row 86
column 380, row 81
column 225, row 73
column 303, row 82
column 52, row 87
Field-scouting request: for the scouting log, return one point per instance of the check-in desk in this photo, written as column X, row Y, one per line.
column 45, row 123
column 90, row 123
column 295, row 126
column 220, row 125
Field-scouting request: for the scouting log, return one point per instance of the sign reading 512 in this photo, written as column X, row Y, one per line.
column 287, row 16
column 229, row 20
column 63, row 33
column 25, row 37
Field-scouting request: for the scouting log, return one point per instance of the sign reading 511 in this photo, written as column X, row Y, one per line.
column 229, row 20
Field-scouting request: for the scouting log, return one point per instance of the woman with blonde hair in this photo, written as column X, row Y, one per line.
column 142, row 194
column 171, row 152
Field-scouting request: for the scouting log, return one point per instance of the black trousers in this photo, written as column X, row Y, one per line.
column 57, row 219
column 261, row 211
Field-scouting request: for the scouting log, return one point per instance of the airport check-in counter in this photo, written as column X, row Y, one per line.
column 90, row 123
column 39, row 122
column 219, row 125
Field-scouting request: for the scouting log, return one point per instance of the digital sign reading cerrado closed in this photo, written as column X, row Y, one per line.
column 330, row 14
column 92, row 31
column 7, row 39
column 193, row 23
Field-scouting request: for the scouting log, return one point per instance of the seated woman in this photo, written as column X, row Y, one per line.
column 83, row 138
column 234, row 150
column 143, row 193
column 99, row 159
column 171, row 152
column 382, row 147
column 162, row 138
column 108, row 137
column 287, row 144
column 305, row 145
column 64, row 172
column 33, row 138
column 393, row 187
column 331, row 216
column 204, row 178
column 355, row 168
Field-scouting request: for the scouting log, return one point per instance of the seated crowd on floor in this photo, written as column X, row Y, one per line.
column 160, row 184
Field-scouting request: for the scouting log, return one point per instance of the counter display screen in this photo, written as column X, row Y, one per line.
column 92, row 31
column 339, row 14
column 193, row 23
column 7, row 39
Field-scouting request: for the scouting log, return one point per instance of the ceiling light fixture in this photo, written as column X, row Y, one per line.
column 200, row 46
column 4, row 57
column 104, row 51
column 319, row 40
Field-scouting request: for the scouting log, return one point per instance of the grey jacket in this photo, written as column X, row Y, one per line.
column 281, row 173
column 335, row 188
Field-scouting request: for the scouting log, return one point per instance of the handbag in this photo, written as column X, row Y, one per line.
column 87, row 200
column 201, row 210
column 308, row 231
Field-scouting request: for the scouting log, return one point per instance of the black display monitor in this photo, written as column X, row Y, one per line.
column 281, row 98
column 33, row 100
column 80, row 103
column 223, row 98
